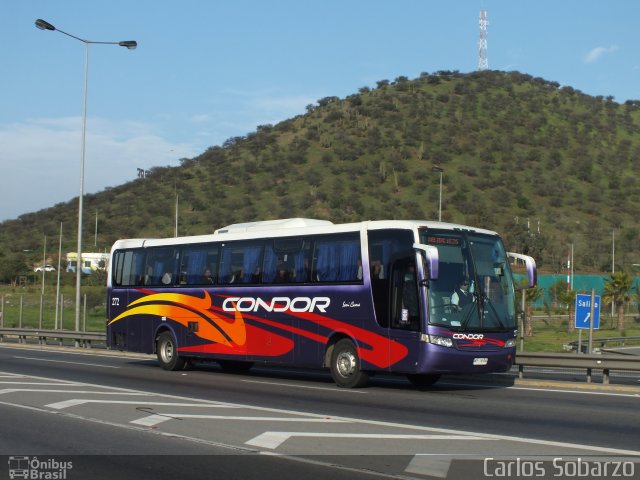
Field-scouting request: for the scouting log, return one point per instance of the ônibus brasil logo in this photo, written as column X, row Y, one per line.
column 38, row 469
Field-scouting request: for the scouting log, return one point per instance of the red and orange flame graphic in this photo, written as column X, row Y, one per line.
column 236, row 337
column 186, row 308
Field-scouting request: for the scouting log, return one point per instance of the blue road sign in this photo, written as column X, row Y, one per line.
column 583, row 311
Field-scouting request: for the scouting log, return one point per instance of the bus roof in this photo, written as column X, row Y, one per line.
column 273, row 225
column 292, row 227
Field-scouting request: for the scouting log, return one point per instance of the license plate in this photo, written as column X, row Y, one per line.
column 480, row 361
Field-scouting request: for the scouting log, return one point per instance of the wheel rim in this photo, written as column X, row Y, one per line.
column 346, row 363
column 166, row 351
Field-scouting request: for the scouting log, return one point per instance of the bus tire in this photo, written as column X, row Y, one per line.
column 235, row 366
column 423, row 379
column 167, row 353
column 345, row 365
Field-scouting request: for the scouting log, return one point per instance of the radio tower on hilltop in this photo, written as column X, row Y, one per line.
column 483, row 61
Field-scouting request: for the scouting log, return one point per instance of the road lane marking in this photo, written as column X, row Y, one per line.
column 81, row 401
column 155, row 419
column 435, row 465
column 552, row 389
column 38, row 390
column 273, row 440
column 59, row 384
column 64, row 361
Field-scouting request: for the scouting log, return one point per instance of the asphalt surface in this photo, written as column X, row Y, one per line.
column 120, row 415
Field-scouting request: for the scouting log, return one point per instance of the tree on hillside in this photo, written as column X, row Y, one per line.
column 617, row 290
column 521, row 239
column 12, row 267
column 516, row 150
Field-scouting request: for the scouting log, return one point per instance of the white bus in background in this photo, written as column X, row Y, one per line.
column 90, row 262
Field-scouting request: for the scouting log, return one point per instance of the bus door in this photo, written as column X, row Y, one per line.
column 127, row 280
column 405, row 310
column 122, row 277
column 117, row 304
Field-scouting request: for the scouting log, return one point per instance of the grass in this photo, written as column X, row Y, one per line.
column 21, row 308
column 550, row 334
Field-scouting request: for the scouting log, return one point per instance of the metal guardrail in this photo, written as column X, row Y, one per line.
column 602, row 341
column 83, row 339
column 606, row 363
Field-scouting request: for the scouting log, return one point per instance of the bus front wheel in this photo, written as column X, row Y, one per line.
column 345, row 365
column 167, row 353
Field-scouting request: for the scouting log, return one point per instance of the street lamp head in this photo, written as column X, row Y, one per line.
column 42, row 25
column 436, row 168
column 130, row 44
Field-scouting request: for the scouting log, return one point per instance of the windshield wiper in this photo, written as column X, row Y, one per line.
column 468, row 314
column 487, row 301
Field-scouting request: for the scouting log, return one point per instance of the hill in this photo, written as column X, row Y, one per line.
column 544, row 164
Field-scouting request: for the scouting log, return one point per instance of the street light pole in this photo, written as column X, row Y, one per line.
column 44, row 261
column 58, row 283
column 436, row 168
column 129, row 44
column 613, row 266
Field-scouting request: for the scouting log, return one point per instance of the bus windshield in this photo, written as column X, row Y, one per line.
column 474, row 290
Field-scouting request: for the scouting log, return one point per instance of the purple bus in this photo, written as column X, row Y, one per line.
column 417, row 298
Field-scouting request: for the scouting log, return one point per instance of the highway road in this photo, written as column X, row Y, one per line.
column 113, row 415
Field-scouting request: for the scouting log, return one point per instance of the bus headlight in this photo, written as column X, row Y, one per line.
column 442, row 341
column 510, row 343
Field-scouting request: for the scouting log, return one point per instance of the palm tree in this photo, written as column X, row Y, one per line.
column 617, row 290
column 562, row 295
column 568, row 297
column 532, row 295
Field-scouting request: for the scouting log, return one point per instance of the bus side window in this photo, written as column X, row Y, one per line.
column 241, row 262
column 337, row 259
column 198, row 264
column 161, row 266
column 127, row 267
column 286, row 260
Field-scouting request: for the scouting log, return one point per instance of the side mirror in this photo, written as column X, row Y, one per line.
column 531, row 270
column 431, row 255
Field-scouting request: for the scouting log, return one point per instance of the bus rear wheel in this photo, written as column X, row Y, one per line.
column 345, row 365
column 423, row 379
column 167, row 353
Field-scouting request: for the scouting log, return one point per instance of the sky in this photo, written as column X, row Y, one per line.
column 208, row 70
